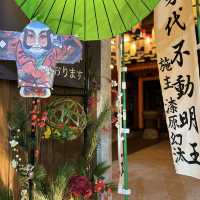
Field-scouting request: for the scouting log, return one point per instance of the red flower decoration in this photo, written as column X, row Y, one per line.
column 39, row 119
column 99, row 186
column 61, row 125
column 80, row 186
column 33, row 124
column 33, row 117
column 109, row 190
column 41, row 124
column 88, row 194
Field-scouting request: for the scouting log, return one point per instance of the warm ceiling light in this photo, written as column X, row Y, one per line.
column 111, row 66
column 153, row 34
column 147, row 45
column 148, row 40
column 127, row 38
column 113, row 42
column 133, row 48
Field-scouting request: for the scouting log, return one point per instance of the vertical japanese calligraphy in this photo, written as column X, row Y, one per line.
column 179, row 78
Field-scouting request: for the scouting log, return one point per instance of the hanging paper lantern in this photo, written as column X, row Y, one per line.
column 37, row 51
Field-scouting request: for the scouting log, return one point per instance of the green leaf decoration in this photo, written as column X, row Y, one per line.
column 58, row 187
column 40, row 174
column 100, row 169
column 17, row 119
column 93, row 128
column 67, row 121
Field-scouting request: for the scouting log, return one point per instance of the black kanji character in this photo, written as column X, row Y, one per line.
column 173, row 122
column 171, row 23
column 194, row 154
column 167, row 83
column 165, row 64
column 180, row 155
column 178, row 54
column 172, row 2
column 179, row 86
column 176, row 139
column 172, row 107
column 183, row 119
column 189, row 86
column 184, row 88
column 193, row 120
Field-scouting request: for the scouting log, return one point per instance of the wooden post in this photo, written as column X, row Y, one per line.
column 4, row 146
column 104, row 153
column 8, row 95
column 140, row 103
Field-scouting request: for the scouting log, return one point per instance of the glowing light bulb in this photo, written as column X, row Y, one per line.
column 147, row 45
column 133, row 48
column 127, row 38
column 111, row 66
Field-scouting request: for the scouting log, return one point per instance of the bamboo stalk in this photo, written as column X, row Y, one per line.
column 124, row 122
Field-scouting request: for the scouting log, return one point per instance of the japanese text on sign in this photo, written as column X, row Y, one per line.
column 179, row 77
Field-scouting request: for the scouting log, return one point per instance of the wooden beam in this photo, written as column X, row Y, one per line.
column 142, row 67
column 150, row 78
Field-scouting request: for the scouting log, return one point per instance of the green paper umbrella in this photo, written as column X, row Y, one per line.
column 88, row 19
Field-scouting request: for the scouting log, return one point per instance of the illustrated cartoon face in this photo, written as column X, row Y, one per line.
column 37, row 39
column 36, row 51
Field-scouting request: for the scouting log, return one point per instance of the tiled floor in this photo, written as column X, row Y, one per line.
column 152, row 176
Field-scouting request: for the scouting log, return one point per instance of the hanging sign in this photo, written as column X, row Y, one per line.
column 37, row 51
column 70, row 75
column 179, row 78
column 66, row 75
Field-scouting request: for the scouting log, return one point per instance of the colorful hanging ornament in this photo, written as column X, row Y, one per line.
column 66, row 119
column 37, row 51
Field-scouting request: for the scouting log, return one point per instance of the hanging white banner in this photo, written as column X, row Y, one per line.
column 179, row 78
